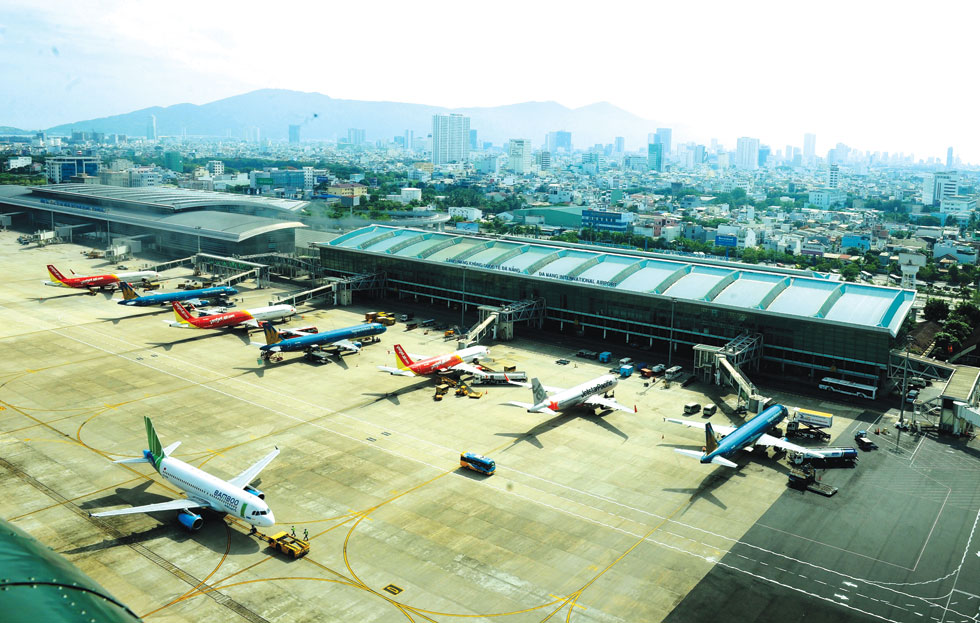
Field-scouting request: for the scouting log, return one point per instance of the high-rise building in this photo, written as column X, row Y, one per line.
column 151, row 128
column 833, row 176
column 294, row 134
column 788, row 154
column 620, row 145
column 747, row 153
column 949, row 158
column 698, row 156
column 558, row 141
column 763, row 155
column 519, row 155
column 809, row 148
column 655, row 156
column 355, row 136
column 662, row 137
column 450, row 138
column 410, row 140
column 939, row 186
column 473, row 139
column 543, row 160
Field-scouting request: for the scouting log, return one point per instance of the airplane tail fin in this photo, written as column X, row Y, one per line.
column 710, row 443
column 127, row 291
column 404, row 361
column 540, row 395
column 156, row 448
column 183, row 316
column 271, row 335
column 55, row 274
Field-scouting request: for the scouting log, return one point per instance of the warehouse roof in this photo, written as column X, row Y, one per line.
column 740, row 286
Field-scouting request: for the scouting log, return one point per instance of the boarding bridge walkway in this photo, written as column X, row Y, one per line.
column 341, row 289
column 500, row 320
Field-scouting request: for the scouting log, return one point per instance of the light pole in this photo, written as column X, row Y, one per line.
column 905, row 385
column 198, row 228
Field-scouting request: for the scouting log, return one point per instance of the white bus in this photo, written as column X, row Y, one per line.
column 848, row 387
column 673, row 372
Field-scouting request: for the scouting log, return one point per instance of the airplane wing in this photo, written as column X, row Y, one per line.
column 608, row 403
column 529, row 407
column 252, row 324
column 465, row 367
column 173, row 505
column 769, row 440
column 348, row 345
column 724, row 431
column 294, row 332
column 246, row 477
column 396, row 371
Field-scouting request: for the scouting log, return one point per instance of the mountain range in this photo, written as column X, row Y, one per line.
column 272, row 111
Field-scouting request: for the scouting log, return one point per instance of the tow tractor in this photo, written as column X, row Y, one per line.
column 861, row 438
column 286, row 543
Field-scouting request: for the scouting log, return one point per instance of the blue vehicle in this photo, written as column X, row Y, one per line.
column 477, row 463
column 192, row 297
column 755, row 431
column 275, row 343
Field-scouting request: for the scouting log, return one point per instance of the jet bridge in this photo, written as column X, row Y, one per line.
column 723, row 365
column 500, row 320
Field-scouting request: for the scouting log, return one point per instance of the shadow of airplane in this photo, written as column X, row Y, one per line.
column 194, row 338
column 531, row 436
column 704, row 491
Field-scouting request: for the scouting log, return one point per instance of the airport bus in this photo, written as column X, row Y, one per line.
column 673, row 372
column 848, row 387
column 477, row 463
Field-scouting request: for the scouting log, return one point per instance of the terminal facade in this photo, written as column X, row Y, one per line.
column 810, row 325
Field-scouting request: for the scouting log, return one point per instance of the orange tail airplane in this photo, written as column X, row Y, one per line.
column 100, row 282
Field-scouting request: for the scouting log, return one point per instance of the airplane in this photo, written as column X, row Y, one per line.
column 588, row 394
column 233, row 497
column 214, row 319
column 191, row 296
column 746, row 436
column 456, row 361
column 274, row 342
column 97, row 282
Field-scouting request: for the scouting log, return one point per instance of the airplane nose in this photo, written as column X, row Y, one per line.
column 270, row 519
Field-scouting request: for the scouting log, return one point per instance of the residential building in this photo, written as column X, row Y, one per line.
column 144, row 177
column 347, row 190
column 543, row 160
column 216, row 167
column 833, row 176
column 18, row 162
column 959, row 207
column 468, row 214
column 60, row 169
column 473, row 141
column 747, row 154
column 409, row 195
column 963, row 254
column 450, row 138
column 488, row 165
column 151, row 128
column 949, row 158
column 173, row 161
column 826, row 197
column 293, row 134
column 520, row 158
column 620, row 145
column 855, row 241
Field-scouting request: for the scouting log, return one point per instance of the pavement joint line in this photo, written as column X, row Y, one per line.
column 139, row 548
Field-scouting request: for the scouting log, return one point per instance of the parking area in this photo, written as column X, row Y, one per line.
column 590, row 517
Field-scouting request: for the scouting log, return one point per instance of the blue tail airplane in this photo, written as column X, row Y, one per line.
column 274, row 342
column 746, row 436
column 194, row 297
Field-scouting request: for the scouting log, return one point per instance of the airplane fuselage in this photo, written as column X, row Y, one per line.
column 231, row 319
column 306, row 342
column 169, row 297
column 102, row 281
column 433, row 365
column 574, row 396
column 747, row 434
column 215, row 493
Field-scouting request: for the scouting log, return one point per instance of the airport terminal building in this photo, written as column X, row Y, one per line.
column 176, row 222
column 810, row 323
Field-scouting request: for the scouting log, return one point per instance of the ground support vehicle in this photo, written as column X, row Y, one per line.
column 805, row 479
column 286, row 543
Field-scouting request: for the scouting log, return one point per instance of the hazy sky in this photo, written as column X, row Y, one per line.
column 889, row 76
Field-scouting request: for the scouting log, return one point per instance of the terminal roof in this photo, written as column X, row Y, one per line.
column 784, row 292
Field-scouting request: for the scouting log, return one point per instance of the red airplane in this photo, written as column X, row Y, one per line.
column 97, row 282
column 217, row 319
column 457, row 361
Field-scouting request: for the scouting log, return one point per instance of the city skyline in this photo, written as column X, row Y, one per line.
column 69, row 63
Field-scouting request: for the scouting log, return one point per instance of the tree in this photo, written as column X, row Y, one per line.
column 958, row 329
column 850, row 272
column 936, row 310
column 945, row 345
column 970, row 312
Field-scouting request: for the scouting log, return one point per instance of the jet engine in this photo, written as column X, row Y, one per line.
column 256, row 492
column 191, row 521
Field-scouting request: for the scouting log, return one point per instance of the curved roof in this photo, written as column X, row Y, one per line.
column 40, row 585
column 170, row 198
column 747, row 287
